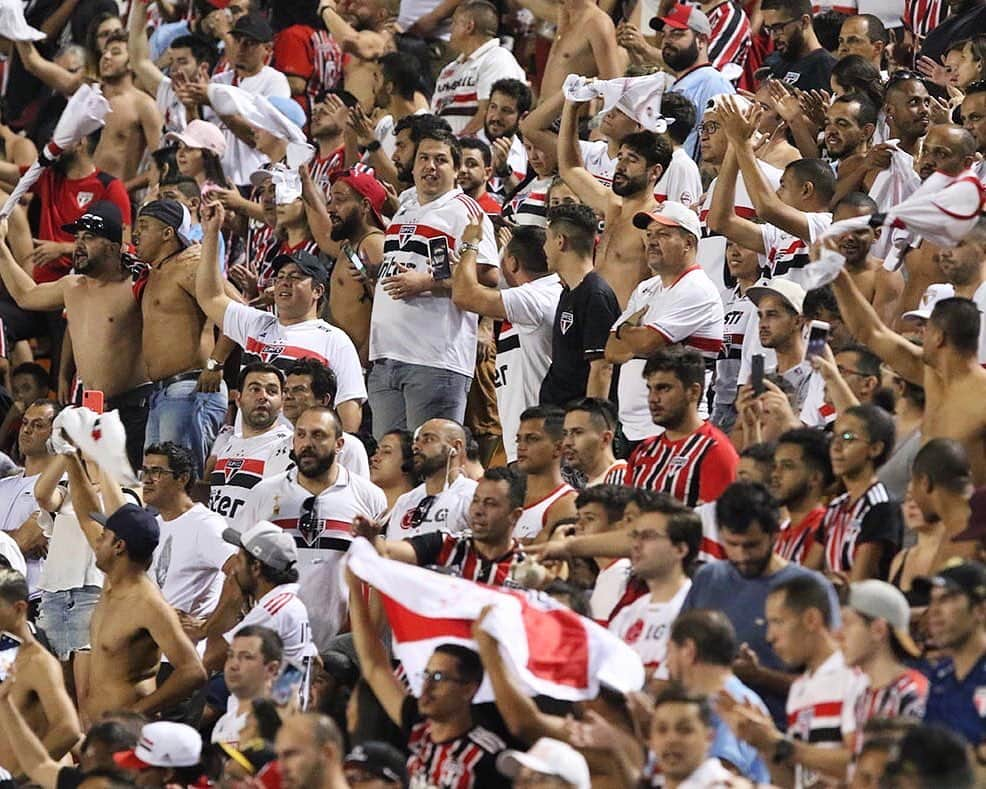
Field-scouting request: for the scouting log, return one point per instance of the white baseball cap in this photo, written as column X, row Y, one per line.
column 267, row 543
column 879, row 600
column 931, row 296
column 548, row 757
column 163, row 744
column 787, row 289
column 673, row 214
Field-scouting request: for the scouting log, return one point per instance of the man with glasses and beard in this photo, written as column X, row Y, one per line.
column 315, row 502
column 749, row 521
column 799, row 60
column 441, row 501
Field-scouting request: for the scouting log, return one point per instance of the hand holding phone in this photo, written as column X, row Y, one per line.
column 756, row 374
column 818, row 337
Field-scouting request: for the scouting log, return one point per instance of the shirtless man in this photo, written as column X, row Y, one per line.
column 947, row 365
column 104, row 318
column 132, row 626
column 358, row 226
column 585, row 43
column 642, row 158
column 39, row 691
column 863, row 267
column 188, row 400
column 361, row 28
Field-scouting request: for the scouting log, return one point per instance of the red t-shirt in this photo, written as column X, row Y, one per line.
column 796, row 539
column 313, row 55
column 489, row 204
column 63, row 200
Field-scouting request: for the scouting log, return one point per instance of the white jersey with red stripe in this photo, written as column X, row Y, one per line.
column 710, row 549
column 681, row 182
column 646, row 626
column 240, row 464
column 351, row 457
column 322, row 529
column 467, row 81
column 821, row 711
column 740, row 319
column 426, row 329
column 282, row 610
column 611, row 583
column 516, row 161
column 596, row 159
column 787, row 254
column 614, row 475
column 535, row 515
column 731, row 35
column 415, row 512
column 530, row 205
column 688, row 311
column 265, row 339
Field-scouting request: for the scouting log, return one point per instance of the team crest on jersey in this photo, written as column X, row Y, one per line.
column 232, row 466
column 271, row 352
column 678, row 461
column 979, row 701
column 566, row 321
column 633, row 632
column 83, row 199
column 405, row 234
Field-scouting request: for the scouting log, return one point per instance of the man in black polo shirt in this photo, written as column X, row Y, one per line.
column 798, row 59
column 587, row 302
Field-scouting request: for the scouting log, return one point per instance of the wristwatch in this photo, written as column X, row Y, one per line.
column 372, row 146
column 783, row 751
column 212, row 365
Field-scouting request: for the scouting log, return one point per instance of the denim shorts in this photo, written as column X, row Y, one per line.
column 65, row 616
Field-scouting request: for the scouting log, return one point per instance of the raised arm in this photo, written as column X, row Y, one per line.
column 570, row 166
column 149, row 76
column 210, row 291
column 722, row 216
column 611, row 60
column 188, row 675
column 32, row 755
column 47, row 492
column 84, row 500
column 365, row 44
column 373, row 658
column 468, row 293
column 51, row 74
column 26, row 292
column 536, row 126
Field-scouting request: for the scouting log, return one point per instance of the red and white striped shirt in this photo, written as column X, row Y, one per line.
column 905, row 697
column 457, row 552
column 731, row 37
column 848, row 524
column 923, row 16
column 795, row 539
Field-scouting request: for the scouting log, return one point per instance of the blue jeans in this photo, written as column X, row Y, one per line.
column 64, row 617
column 180, row 414
column 403, row 396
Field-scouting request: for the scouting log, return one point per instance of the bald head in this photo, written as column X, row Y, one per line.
column 947, row 148
column 439, row 445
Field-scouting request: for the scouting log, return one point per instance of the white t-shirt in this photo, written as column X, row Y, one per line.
column 523, row 351
column 426, row 329
column 611, row 583
column 188, row 561
column 240, row 160
column 17, row 504
column 240, row 464
column 322, row 543
column 681, row 181
column 596, row 159
column 646, row 626
column 283, row 612
column 449, row 511
column 688, row 312
column 534, row 518
column 466, row 81
column 740, row 319
column 170, row 107
column 12, row 553
column 787, row 255
column 228, row 727
column 265, row 339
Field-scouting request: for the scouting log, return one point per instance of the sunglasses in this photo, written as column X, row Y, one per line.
column 308, row 520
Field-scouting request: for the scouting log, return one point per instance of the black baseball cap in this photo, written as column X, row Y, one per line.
column 380, row 759
column 102, row 219
column 136, row 526
column 307, row 262
column 253, row 26
column 172, row 213
column 966, row 577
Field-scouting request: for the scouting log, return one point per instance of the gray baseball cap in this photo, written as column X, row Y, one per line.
column 880, row 600
column 267, row 543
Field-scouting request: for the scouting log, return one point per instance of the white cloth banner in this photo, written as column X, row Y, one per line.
column 255, row 109
column 14, row 26
column 638, row 97
column 552, row 650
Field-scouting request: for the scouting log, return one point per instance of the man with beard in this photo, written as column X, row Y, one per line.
column 587, row 441
column 850, row 121
column 802, row 474
column 441, row 501
column 510, row 101
column 738, row 586
column 643, row 158
column 685, row 49
column 104, row 318
column 295, row 332
column 964, row 267
column 364, row 34
column 240, row 459
column 677, row 304
column 798, row 59
column 475, row 173
column 326, row 127
column 356, row 214
column 315, row 502
column 974, row 121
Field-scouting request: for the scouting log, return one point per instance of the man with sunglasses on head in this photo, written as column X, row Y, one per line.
column 315, row 502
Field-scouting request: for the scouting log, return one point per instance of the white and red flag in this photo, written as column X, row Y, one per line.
column 551, row 649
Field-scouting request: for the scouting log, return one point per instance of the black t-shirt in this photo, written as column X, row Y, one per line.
column 466, row 761
column 812, row 72
column 954, row 28
column 69, row 778
column 583, row 319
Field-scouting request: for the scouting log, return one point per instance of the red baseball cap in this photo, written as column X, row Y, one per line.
column 685, row 17
column 219, row 4
column 368, row 187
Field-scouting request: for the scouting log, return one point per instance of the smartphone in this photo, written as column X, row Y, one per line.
column 818, row 336
column 441, row 266
column 287, row 682
column 353, row 256
column 93, row 400
column 756, row 374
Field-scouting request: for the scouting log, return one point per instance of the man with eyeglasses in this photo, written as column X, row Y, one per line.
column 441, row 501
column 295, row 332
column 664, row 537
column 446, row 745
column 315, row 502
column 799, row 60
column 974, row 120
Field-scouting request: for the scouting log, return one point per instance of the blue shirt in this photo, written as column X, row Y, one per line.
column 699, row 85
column 718, row 586
column 161, row 38
column 727, row 747
column 959, row 705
